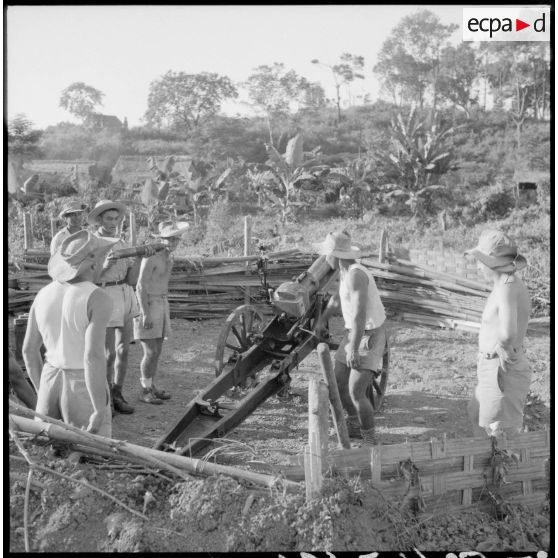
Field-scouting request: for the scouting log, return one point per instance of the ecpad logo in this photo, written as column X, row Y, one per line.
column 506, row 24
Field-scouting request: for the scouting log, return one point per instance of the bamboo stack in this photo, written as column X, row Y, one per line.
column 202, row 288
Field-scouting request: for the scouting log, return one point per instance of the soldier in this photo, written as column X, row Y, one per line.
column 503, row 373
column 360, row 353
column 72, row 213
column 153, row 324
column 69, row 316
column 117, row 279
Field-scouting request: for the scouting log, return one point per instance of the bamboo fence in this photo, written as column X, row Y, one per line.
column 450, row 475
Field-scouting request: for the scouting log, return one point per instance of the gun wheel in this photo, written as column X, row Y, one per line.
column 237, row 334
column 377, row 389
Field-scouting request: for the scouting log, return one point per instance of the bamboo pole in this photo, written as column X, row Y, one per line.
column 27, row 231
column 190, row 464
column 247, row 245
column 334, row 398
column 52, row 228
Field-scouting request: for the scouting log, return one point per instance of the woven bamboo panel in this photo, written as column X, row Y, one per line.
column 454, row 474
column 448, row 262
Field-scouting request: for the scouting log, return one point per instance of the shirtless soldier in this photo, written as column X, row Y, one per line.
column 69, row 316
column 360, row 353
column 153, row 324
column 503, row 373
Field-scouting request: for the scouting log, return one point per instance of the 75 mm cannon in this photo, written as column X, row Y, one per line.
column 247, row 345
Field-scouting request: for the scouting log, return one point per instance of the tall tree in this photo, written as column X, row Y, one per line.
column 22, row 137
column 519, row 74
column 349, row 68
column 81, row 99
column 273, row 89
column 459, row 72
column 180, row 101
column 409, row 60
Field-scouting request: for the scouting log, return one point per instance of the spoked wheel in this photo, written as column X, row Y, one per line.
column 237, row 334
column 377, row 389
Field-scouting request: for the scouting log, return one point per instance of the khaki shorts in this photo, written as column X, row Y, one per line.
column 124, row 304
column 370, row 350
column 159, row 312
column 63, row 395
column 501, row 392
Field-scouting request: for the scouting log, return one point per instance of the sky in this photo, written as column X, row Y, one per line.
column 121, row 49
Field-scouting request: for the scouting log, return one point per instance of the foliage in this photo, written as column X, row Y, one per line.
column 350, row 67
column 459, row 70
column 409, row 60
column 182, row 101
column 278, row 182
column 22, row 137
column 272, row 89
column 419, row 151
column 80, row 99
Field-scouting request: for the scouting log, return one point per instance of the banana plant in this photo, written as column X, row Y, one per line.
column 419, row 151
column 282, row 174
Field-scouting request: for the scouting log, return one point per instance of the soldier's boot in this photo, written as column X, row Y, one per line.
column 120, row 404
column 353, row 427
column 368, row 436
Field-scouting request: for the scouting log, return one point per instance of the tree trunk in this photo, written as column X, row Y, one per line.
column 270, row 130
column 338, row 105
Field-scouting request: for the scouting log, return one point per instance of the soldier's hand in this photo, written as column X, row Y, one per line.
column 95, row 422
column 149, row 251
column 146, row 322
column 353, row 359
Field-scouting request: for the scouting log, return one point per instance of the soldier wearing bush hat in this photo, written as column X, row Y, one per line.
column 358, row 360
column 503, row 372
column 72, row 213
column 117, row 279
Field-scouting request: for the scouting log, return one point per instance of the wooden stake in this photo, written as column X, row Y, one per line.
column 52, row 228
column 334, row 398
column 382, row 256
column 133, row 231
column 317, row 436
column 27, row 231
column 247, row 245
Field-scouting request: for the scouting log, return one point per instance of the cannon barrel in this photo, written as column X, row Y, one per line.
column 295, row 297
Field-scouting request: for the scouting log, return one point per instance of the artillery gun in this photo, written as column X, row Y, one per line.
column 246, row 346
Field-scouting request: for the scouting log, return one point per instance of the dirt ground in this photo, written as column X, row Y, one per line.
column 431, row 378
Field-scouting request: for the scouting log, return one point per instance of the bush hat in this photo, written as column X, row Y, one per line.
column 75, row 253
column 104, row 205
column 497, row 251
column 71, row 207
column 168, row 229
column 339, row 245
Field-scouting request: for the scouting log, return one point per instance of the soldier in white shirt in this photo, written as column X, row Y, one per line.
column 72, row 214
column 360, row 353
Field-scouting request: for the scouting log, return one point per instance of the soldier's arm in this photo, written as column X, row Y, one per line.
column 31, row 350
column 358, row 293
column 99, row 309
column 507, row 304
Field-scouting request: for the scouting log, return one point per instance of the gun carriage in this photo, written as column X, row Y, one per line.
column 247, row 345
